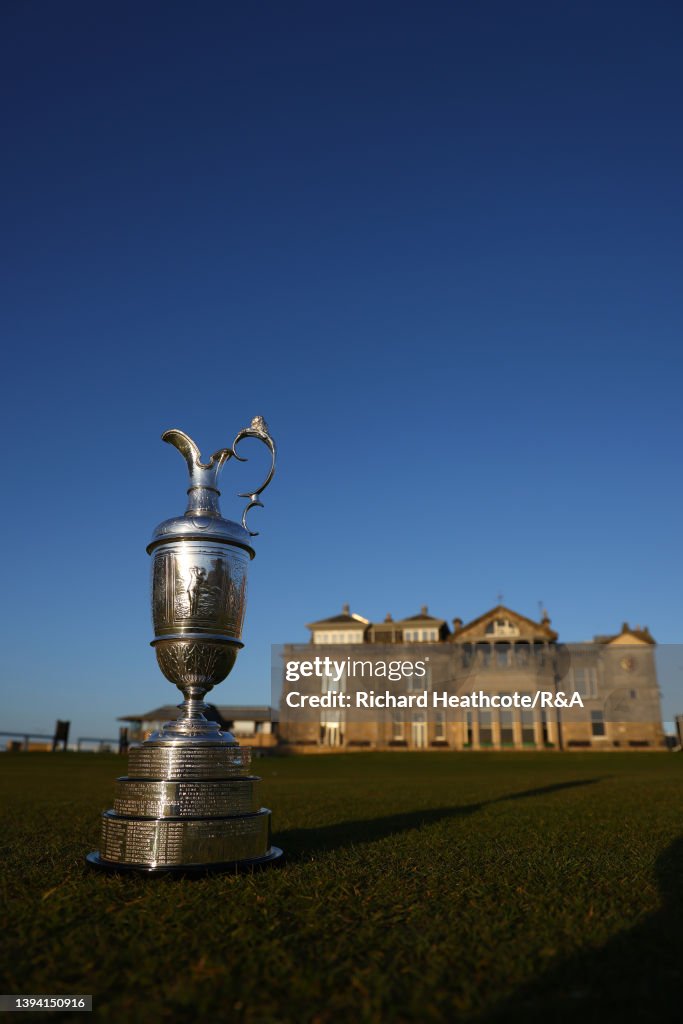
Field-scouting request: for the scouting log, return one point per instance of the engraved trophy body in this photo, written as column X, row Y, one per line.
column 188, row 803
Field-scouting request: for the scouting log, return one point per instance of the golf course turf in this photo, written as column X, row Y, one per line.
column 418, row 887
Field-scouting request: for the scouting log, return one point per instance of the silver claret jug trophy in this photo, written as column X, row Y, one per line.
column 188, row 803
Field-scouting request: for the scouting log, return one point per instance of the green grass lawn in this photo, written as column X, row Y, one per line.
column 418, row 887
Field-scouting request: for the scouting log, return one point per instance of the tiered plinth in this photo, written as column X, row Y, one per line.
column 186, row 808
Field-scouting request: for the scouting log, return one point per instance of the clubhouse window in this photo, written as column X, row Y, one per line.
column 597, row 723
column 420, row 682
column 585, row 680
column 330, row 684
column 522, row 653
column 421, row 635
column 502, row 627
column 502, row 655
column 484, row 655
column 527, row 719
column 507, row 735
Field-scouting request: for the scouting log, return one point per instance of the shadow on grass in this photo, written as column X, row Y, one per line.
column 299, row 843
column 636, row 976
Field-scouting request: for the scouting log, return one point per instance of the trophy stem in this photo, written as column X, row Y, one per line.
column 193, row 710
column 192, row 724
column 194, row 705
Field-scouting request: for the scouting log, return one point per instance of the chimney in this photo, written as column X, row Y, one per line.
column 346, row 609
column 388, row 617
column 423, row 609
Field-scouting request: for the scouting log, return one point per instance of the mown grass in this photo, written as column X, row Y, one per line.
column 418, row 887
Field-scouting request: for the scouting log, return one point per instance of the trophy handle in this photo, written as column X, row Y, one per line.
column 258, row 429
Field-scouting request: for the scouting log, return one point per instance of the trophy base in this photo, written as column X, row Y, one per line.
column 273, row 858
column 186, row 809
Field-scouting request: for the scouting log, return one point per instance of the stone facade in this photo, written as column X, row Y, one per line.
column 499, row 653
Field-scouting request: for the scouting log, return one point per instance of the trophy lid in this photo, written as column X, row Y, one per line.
column 203, row 517
column 211, row 528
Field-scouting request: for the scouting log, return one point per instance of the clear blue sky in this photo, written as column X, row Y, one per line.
column 437, row 245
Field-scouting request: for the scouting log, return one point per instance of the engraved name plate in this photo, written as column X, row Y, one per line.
column 188, row 762
column 151, row 799
column 173, row 842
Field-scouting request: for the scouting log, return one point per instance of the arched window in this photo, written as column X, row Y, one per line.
column 502, row 627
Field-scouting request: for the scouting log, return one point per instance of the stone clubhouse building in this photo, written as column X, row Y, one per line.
column 498, row 654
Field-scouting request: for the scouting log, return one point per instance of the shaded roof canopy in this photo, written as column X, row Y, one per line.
column 529, row 629
column 423, row 616
column 540, row 629
column 344, row 618
column 643, row 636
